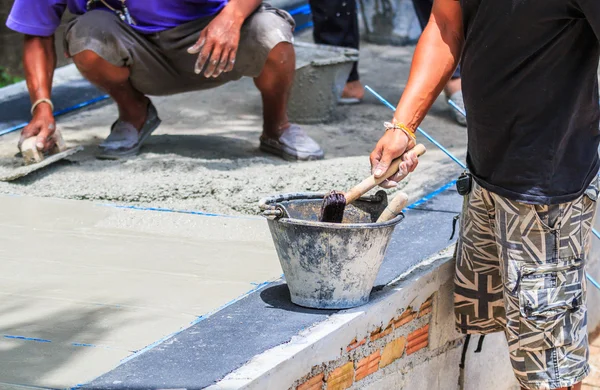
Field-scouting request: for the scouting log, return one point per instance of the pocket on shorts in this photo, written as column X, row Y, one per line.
column 547, row 217
column 551, row 303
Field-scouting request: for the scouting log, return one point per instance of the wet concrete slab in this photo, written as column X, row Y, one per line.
column 83, row 286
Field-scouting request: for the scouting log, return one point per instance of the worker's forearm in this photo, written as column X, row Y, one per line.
column 39, row 61
column 436, row 57
column 241, row 9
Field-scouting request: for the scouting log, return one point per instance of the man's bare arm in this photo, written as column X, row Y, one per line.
column 39, row 62
column 436, row 57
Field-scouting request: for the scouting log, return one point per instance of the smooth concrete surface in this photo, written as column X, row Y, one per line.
column 83, row 286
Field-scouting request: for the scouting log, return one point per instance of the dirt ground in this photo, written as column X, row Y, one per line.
column 205, row 154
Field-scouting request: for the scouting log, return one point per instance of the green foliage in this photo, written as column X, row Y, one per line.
column 6, row 78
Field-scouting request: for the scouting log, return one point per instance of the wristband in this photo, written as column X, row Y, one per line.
column 401, row 126
column 40, row 101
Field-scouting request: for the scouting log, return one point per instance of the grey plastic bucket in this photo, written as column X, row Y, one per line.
column 321, row 74
column 327, row 265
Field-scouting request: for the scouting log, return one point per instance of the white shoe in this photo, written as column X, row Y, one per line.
column 294, row 144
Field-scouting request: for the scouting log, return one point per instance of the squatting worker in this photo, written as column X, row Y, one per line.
column 531, row 93
column 135, row 48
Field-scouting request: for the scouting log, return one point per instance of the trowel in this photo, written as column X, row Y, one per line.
column 32, row 159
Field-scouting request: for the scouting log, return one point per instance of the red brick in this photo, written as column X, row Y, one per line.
column 418, row 340
column 392, row 351
column 355, row 344
column 381, row 333
column 426, row 307
column 314, row 383
column 405, row 317
column 341, row 378
column 368, row 365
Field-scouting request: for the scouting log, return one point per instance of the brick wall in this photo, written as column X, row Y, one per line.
column 405, row 335
column 11, row 43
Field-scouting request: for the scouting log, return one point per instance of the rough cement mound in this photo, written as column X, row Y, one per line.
column 219, row 186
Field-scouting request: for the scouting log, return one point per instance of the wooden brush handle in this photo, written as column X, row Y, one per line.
column 394, row 208
column 371, row 182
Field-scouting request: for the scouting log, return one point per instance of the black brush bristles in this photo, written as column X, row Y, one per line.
column 332, row 208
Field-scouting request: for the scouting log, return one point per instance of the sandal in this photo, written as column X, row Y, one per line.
column 125, row 140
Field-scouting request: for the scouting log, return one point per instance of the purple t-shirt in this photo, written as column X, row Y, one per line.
column 41, row 18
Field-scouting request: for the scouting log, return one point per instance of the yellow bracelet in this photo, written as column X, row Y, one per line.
column 401, row 126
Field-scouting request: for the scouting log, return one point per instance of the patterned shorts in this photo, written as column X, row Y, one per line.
column 520, row 269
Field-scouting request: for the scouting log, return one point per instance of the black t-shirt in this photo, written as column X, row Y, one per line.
column 529, row 78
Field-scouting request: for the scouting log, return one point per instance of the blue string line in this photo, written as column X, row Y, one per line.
column 58, row 113
column 460, row 110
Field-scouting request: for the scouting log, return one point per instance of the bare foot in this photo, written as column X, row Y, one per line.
column 353, row 90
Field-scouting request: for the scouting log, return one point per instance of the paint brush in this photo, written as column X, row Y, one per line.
column 334, row 203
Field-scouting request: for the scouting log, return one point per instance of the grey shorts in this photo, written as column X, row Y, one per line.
column 160, row 63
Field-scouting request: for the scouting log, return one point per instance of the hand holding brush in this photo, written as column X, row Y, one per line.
column 332, row 208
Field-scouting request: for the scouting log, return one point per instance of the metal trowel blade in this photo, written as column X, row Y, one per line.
column 25, row 170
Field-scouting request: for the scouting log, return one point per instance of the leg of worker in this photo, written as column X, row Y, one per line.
column 106, row 66
column 275, row 84
column 336, row 23
column 478, row 293
column 543, row 251
column 266, row 54
column 131, row 103
column 103, row 49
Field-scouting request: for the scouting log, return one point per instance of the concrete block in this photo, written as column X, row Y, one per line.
column 392, row 351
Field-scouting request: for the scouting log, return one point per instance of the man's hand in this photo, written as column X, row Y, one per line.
column 391, row 146
column 218, row 45
column 43, row 126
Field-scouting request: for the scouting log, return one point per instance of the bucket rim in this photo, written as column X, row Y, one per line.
column 341, row 226
column 272, row 202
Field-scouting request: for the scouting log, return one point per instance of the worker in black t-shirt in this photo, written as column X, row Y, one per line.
column 336, row 23
column 529, row 79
